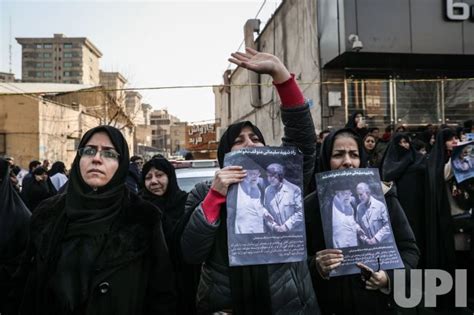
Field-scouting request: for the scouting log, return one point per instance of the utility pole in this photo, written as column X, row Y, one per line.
column 10, row 47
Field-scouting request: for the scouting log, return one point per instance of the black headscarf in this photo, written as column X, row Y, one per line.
column 328, row 144
column 58, row 167
column 397, row 159
column 351, row 123
column 90, row 214
column 249, row 284
column 172, row 202
column 14, row 218
column 229, row 136
column 440, row 236
column 37, row 191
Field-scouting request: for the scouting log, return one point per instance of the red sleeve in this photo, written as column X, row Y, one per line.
column 290, row 93
column 211, row 206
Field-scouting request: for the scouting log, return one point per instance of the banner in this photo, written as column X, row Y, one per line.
column 265, row 216
column 462, row 161
column 356, row 220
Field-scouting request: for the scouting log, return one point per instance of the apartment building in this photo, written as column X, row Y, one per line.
column 59, row 59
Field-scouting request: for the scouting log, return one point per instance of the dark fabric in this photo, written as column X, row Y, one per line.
column 439, row 252
column 372, row 156
column 132, row 274
column 227, row 140
column 58, row 167
column 134, row 178
column 172, row 205
column 277, row 288
column 346, row 294
column 14, row 228
column 326, row 150
column 36, row 191
column 351, row 123
column 249, row 284
column 407, row 169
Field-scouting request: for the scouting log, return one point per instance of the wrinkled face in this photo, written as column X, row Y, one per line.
column 273, row 179
column 404, row 143
column 345, row 153
column 252, row 177
column 98, row 170
column 369, row 143
column 344, row 196
column 247, row 138
column 363, row 195
column 156, row 181
column 451, row 143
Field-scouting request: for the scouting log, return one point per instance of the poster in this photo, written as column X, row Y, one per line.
column 462, row 161
column 265, row 216
column 356, row 220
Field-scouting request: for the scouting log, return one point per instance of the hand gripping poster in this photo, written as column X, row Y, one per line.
column 265, row 216
column 462, row 161
column 356, row 220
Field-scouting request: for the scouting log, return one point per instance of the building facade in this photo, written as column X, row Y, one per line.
column 60, row 59
column 7, row 77
column 161, row 122
column 201, row 140
column 407, row 62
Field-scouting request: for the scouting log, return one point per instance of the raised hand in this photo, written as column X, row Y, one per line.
column 262, row 63
column 227, row 176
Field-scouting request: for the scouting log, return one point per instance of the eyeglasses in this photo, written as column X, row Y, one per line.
column 109, row 154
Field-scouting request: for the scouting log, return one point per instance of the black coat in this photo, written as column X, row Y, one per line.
column 132, row 274
column 346, row 294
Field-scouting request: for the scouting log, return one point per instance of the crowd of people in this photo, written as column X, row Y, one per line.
column 116, row 235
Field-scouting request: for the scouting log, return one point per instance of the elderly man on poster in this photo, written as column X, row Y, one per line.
column 283, row 202
column 250, row 210
column 372, row 217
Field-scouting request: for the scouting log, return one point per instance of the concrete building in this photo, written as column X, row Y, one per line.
column 161, row 122
column 59, row 59
column 114, row 82
column 178, row 137
column 7, row 77
column 400, row 62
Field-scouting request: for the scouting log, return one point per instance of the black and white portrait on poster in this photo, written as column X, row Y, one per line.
column 462, row 161
column 265, row 216
column 356, row 220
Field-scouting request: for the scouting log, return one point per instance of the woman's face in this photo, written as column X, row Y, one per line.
column 247, row 138
column 156, row 181
column 98, row 170
column 451, row 143
column 345, row 153
column 404, row 143
column 369, row 143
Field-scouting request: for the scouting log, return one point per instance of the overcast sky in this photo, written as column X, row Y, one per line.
column 152, row 43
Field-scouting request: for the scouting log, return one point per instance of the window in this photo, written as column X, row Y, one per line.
column 39, row 74
column 46, row 55
column 67, row 45
column 67, row 64
column 39, row 45
column 67, row 73
column 47, row 65
column 39, row 65
column 48, row 45
column 48, row 74
column 68, row 55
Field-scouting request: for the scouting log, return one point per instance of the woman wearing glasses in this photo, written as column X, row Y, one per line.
column 343, row 149
column 98, row 249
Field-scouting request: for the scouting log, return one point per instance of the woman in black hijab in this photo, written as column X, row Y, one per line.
column 161, row 188
column 39, row 189
column 97, row 249
column 357, row 123
column 14, row 227
column 405, row 167
column 255, row 289
column 343, row 149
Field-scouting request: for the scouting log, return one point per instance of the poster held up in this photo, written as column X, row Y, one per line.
column 265, row 216
column 356, row 220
